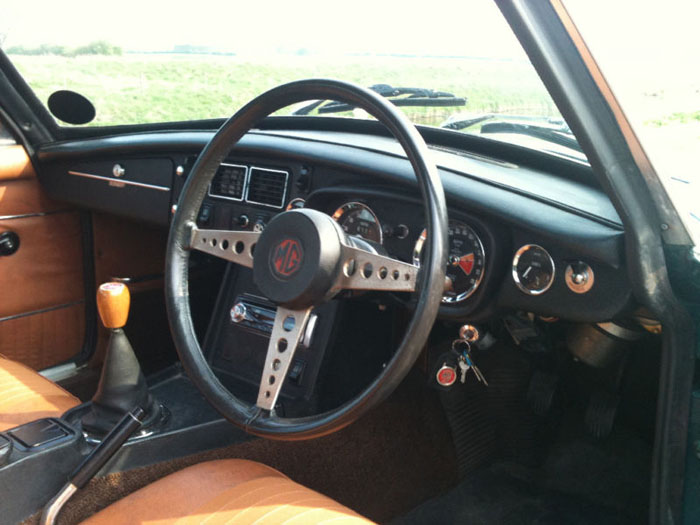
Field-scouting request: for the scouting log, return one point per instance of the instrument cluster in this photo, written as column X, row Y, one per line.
column 466, row 256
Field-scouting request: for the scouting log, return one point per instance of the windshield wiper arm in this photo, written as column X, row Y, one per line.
column 399, row 96
column 551, row 130
column 561, row 136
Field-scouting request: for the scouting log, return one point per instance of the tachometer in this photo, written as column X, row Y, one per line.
column 465, row 261
column 358, row 219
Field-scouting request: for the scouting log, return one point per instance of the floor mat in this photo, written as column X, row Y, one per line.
column 582, row 481
column 494, row 496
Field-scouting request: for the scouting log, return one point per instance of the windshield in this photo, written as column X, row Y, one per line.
column 146, row 62
column 651, row 64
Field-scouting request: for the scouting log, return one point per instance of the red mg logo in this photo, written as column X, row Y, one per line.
column 287, row 257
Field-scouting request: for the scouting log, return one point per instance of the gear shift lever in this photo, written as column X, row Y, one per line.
column 122, row 385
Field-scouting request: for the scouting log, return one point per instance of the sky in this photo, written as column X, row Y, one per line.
column 247, row 27
column 650, row 57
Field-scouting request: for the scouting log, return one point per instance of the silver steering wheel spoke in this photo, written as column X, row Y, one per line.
column 287, row 331
column 233, row 246
column 363, row 270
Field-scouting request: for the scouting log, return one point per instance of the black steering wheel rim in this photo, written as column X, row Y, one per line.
column 429, row 286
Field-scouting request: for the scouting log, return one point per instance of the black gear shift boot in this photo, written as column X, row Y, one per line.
column 122, row 387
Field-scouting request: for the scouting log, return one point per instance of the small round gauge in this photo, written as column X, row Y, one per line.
column 465, row 261
column 358, row 219
column 296, row 204
column 533, row 269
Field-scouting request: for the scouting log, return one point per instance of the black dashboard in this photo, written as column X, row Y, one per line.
column 520, row 238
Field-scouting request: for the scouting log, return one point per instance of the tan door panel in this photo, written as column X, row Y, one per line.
column 25, row 197
column 47, row 270
column 42, row 312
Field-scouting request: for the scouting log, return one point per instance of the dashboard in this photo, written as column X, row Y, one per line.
column 520, row 238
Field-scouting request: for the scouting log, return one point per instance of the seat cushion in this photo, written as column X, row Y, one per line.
column 233, row 491
column 25, row 395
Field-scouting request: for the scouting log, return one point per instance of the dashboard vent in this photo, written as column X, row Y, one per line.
column 229, row 182
column 267, row 187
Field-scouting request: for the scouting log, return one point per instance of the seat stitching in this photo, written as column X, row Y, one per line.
column 20, row 395
column 298, row 515
column 29, row 384
column 10, row 388
column 228, row 502
column 35, row 376
column 310, row 498
column 338, row 518
column 258, row 502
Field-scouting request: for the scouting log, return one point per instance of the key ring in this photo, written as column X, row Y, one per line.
column 465, row 346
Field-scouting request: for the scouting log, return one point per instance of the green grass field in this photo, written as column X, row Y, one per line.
column 155, row 88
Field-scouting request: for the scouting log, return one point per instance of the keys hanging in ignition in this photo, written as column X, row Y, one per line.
column 465, row 361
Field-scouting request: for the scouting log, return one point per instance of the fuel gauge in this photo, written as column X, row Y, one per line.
column 533, row 269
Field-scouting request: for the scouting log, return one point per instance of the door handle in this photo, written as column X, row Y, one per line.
column 9, row 243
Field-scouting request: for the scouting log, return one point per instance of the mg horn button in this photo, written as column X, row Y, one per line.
column 297, row 258
column 287, row 258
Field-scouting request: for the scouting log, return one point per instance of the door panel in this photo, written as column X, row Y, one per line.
column 25, row 197
column 47, row 270
column 42, row 312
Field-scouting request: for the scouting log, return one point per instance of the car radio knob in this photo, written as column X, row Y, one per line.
column 239, row 313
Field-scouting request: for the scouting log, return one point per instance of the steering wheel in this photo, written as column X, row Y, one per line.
column 301, row 259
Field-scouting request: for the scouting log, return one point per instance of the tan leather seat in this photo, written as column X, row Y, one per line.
column 25, row 395
column 232, row 491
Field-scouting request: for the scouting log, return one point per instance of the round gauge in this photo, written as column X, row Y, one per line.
column 465, row 261
column 358, row 219
column 533, row 269
column 296, row 204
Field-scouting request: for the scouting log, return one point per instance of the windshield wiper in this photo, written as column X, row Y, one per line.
column 557, row 136
column 399, row 96
column 555, row 131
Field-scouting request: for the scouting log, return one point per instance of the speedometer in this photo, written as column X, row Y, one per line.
column 465, row 261
column 358, row 219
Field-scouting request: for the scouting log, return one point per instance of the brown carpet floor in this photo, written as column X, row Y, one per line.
column 382, row 466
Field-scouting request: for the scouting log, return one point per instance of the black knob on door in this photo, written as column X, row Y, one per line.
column 9, row 243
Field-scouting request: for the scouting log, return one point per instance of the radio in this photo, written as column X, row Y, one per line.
column 252, row 315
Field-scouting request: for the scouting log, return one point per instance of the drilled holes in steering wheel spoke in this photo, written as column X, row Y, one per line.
column 363, row 270
column 286, row 333
column 237, row 247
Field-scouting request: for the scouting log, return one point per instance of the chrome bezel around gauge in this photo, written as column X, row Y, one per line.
column 348, row 206
column 418, row 247
column 295, row 204
column 516, row 276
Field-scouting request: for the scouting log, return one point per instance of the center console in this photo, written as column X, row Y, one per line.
column 237, row 341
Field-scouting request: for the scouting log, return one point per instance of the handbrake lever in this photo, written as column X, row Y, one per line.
column 92, row 464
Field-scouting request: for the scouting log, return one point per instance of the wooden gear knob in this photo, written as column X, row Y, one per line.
column 113, row 302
